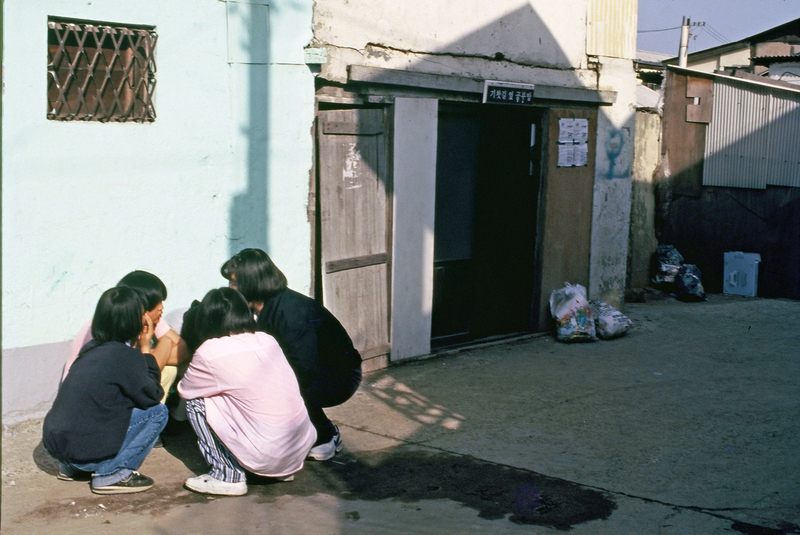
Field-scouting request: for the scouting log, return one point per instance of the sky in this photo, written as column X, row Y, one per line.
column 726, row 21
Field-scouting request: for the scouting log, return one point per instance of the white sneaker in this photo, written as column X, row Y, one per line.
column 323, row 452
column 206, row 484
column 326, row 451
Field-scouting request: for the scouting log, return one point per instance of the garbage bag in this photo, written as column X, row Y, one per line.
column 690, row 285
column 573, row 315
column 608, row 321
column 669, row 261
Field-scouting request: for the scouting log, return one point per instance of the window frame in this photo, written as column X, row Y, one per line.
column 99, row 71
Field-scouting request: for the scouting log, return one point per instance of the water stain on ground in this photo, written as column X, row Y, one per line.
column 494, row 491
column 407, row 474
column 751, row 529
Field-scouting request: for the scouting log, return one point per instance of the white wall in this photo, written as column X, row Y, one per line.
column 455, row 37
column 224, row 166
column 415, row 138
column 612, row 190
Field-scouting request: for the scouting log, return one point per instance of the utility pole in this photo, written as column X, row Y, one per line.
column 683, row 49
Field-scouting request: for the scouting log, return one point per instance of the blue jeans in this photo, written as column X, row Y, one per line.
column 143, row 431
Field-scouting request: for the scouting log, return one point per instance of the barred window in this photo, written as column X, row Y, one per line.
column 99, row 72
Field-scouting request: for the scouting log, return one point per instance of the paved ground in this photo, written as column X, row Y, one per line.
column 689, row 424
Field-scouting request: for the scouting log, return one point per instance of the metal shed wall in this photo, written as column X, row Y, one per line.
column 753, row 139
column 611, row 28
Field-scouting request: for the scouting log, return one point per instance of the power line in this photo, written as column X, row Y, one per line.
column 714, row 36
column 662, row 30
column 717, row 34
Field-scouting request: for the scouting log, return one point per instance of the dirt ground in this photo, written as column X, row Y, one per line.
column 688, row 424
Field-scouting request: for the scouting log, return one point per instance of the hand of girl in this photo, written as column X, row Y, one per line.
column 148, row 329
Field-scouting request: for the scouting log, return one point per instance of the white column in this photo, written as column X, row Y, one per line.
column 415, row 134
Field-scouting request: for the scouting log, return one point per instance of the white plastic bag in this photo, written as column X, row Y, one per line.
column 609, row 322
column 572, row 314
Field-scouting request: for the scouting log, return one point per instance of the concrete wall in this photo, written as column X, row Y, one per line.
column 643, row 242
column 502, row 40
column 612, row 192
column 735, row 58
column 534, row 41
column 415, row 137
column 224, row 166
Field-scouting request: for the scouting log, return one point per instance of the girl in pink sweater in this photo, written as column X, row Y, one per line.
column 243, row 400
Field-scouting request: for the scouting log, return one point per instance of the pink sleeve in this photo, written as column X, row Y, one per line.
column 199, row 381
column 83, row 336
column 162, row 328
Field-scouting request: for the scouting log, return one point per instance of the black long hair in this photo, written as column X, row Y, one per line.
column 223, row 312
column 257, row 276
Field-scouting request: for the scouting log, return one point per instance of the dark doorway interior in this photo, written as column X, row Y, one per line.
column 487, row 187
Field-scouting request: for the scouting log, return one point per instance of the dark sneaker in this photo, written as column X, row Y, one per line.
column 135, row 482
column 337, row 439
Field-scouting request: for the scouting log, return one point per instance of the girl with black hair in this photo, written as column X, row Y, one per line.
column 107, row 414
column 168, row 348
column 317, row 346
column 242, row 400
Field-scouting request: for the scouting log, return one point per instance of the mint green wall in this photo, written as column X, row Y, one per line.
column 224, row 166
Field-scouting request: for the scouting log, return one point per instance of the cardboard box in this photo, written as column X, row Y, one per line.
column 741, row 273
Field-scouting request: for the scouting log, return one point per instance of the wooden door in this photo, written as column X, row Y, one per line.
column 355, row 226
column 567, row 230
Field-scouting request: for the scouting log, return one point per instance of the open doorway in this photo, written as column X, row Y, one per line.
column 488, row 179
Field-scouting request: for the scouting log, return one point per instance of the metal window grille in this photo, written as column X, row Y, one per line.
column 100, row 73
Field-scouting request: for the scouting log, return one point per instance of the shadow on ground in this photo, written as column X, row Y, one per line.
column 408, row 474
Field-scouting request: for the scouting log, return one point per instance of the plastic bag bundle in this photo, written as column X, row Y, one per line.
column 690, row 287
column 608, row 321
column 572, row 314
column 669, row 262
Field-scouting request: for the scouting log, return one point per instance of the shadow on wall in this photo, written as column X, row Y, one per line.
column 249, row 58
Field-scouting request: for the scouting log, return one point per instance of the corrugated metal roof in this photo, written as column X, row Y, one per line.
column 766, row 60
column 753, row 139
column 765, row 82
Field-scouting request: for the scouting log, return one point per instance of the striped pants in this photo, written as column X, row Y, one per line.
column 224, row 466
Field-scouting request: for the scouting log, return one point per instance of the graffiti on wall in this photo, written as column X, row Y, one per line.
column 618, row 161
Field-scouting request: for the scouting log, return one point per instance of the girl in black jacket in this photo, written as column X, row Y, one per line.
column 107, row 414
column 318, row 348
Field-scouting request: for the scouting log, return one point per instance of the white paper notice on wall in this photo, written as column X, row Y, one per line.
column 566, row 154
column 581, row 154
column 566, row 130
column 573, row 137
column 580, row 130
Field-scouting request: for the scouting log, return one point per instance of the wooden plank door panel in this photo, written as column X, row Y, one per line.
column 354, row 237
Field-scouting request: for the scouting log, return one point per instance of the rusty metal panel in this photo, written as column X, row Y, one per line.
column 611, row 28
column 701, row 90
column 754, row 137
